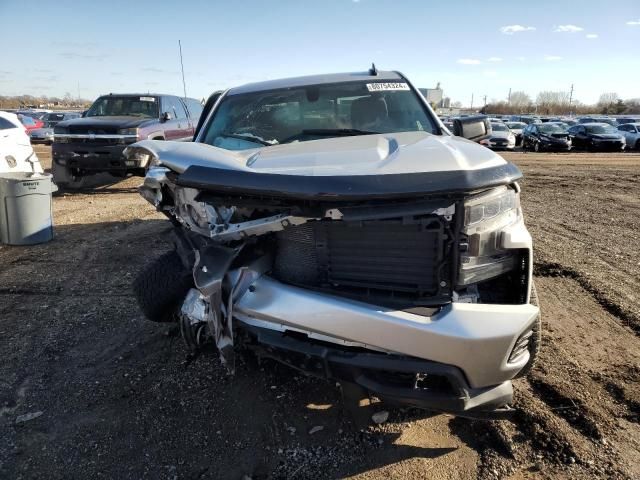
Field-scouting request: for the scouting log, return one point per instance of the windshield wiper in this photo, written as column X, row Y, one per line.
column 327, row 132
column 337, row 131
column 248, row 136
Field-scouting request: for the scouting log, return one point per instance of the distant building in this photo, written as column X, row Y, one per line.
column 433, row 95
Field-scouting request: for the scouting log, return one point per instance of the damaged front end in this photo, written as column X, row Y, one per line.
column 413, row 287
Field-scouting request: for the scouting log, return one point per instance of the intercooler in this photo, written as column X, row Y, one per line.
column 399, row 261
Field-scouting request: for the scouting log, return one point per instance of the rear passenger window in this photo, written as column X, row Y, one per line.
column 6, row 124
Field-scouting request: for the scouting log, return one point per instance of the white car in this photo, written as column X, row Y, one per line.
column 501, row 137
column 516, row 128
column 631, row 132
column 16, row 152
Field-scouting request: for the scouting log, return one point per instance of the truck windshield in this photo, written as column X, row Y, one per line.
column 128, row 106
column 315, row 112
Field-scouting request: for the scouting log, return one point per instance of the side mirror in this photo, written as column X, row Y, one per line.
column 166, row 116
column 475, row 128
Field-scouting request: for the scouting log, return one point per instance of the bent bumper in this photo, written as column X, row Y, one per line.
column 394, row 379
column 475, row 338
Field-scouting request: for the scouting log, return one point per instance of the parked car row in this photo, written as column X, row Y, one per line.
column 562, row 134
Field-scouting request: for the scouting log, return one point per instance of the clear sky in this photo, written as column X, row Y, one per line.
column 479, row 47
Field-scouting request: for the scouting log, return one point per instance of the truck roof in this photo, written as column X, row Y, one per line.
column 316, row 80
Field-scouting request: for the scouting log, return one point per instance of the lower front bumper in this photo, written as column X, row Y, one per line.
column 557, row 147
column 476, row 338
column 392, row 378
column 93, row 158
column 608, row 146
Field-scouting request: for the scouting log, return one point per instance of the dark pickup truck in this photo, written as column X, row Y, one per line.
column 95, row 143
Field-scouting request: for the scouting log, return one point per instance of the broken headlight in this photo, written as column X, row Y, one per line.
column 139, row 157
column 485, row 217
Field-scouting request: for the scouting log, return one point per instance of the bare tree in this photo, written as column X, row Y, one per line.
column 519, row 99
column 608, row 99
column 552, row 102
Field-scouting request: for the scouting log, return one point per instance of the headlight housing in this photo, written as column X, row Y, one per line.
column 486, row 215
column 60, row 131
column 128, row 131
column 139, row 157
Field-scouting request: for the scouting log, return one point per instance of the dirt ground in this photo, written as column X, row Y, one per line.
column 120, row 397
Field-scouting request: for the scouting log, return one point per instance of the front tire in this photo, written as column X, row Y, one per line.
column 66, row 179
column 162, row 286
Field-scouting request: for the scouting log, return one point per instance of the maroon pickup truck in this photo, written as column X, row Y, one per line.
column 95, row 142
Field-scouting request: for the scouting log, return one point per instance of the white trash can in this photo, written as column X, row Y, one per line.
column 26, row 215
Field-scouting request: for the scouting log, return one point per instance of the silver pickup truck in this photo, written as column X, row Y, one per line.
column 334, row 224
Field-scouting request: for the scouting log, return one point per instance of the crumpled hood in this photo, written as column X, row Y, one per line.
column 382, row 154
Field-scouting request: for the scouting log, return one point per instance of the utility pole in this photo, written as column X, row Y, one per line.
column 570, row 98
column 471, row 101
column 484, row 100
column 509, row 97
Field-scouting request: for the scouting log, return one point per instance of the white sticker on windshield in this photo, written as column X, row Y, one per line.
column 147, row 99
column 384, row 87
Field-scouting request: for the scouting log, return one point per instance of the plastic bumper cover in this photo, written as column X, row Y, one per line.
column 389, row 377
column 475, row 338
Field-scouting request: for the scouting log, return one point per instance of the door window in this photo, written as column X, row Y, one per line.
column 6, row 124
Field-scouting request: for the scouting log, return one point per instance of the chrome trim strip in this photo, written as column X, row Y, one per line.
column 93, row 136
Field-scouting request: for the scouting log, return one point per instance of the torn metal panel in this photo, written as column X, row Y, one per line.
column 209, row 270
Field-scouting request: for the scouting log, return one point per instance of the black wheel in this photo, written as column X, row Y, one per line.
column 637, row 145
column 536, row 147
column 536, row 337
column 161, row 287
column 66, row 179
